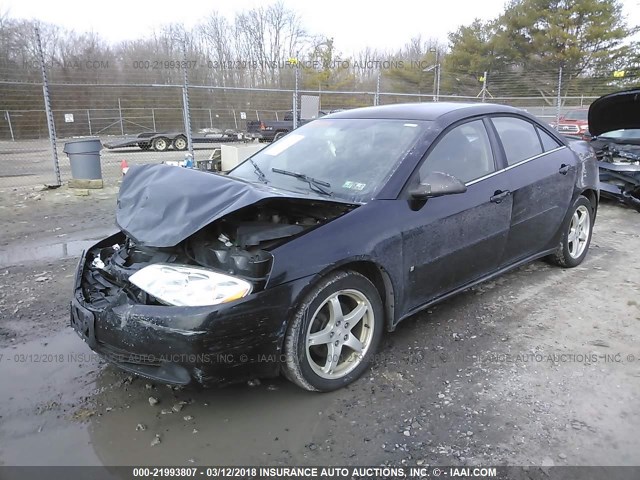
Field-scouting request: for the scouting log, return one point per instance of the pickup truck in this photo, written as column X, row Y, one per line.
column 272, row 130
column 574, row 123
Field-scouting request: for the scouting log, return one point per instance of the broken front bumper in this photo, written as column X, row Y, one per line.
column 620, row 181
column 212, row 345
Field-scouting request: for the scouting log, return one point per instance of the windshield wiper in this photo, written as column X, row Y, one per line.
column 314, row 184
column 261, row 176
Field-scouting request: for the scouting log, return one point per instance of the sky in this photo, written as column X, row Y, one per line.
column 354, row 24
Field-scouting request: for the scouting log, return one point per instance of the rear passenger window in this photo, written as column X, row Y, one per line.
column 548, row 142
column 518, row 137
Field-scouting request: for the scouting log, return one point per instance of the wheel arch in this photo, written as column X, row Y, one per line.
column 593, row 197
column 282, row 131
column 373, row 272
column 292, row 365
column 377, row 275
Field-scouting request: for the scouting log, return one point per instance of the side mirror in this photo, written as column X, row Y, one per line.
column 437, row 184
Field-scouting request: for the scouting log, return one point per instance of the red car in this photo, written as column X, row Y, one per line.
column 574, row 122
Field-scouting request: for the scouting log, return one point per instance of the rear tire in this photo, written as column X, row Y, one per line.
column 334, row 333
column 576, row 235
column 180, row 143
column 160, row 144
column 279, row 135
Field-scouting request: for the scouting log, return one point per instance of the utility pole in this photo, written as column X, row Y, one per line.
column 559, row 97
column 295, row 95
column 484, row 91
column 435, row 78
column 47, row 107
column 120, row 117
column 484, row 87
column 438, row 68
column 7, row 116
column 436, row 74
column 185, row 98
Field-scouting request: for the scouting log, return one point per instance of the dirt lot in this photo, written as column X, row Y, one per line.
column 539, row 367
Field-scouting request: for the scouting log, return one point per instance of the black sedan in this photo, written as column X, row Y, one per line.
column 300, row 259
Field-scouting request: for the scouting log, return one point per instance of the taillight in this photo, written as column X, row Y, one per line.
column 262, row 127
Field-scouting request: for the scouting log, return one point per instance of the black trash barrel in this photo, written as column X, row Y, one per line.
column 84, row 157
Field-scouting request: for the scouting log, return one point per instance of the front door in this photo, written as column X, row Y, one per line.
column 455, row 239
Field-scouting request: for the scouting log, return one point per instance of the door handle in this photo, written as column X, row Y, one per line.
column 564, row 169
column 499, row 195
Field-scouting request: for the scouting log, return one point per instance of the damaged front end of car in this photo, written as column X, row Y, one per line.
column 194, row 300
column 614, row 123
column 619, row 166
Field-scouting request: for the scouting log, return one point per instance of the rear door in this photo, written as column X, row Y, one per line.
column 541, row 175
column 455, row 239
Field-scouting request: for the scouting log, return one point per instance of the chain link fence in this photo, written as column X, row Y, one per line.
column 116, row 102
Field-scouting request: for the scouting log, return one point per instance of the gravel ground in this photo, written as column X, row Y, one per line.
column 538, row 367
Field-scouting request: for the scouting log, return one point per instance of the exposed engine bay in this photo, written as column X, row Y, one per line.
column 614, row 125
column 619, row 153
column 620, row 170
column 238, row 244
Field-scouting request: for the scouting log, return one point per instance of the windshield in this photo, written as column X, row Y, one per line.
column 348, row 158
column 631, row 134
column 576, row 115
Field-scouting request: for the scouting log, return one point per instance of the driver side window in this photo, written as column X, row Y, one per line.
column 464, row 152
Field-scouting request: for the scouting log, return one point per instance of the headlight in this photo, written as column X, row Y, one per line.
column 187, row 286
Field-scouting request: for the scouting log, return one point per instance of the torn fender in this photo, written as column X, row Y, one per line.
column 161, row 205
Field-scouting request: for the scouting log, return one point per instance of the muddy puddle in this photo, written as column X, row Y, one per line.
column 62, row 405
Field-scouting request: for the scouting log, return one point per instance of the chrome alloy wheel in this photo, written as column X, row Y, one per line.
column 339, row 334
column 579, row 230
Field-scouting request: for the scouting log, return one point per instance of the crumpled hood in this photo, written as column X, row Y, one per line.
column 616, row 111
column 161, row 205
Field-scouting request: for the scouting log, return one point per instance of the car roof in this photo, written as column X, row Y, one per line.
column 424, row 111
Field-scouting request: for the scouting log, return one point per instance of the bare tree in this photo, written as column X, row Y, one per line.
column 217, row 45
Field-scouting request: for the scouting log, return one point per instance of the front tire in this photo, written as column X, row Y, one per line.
column 334, row 334
column 160, row 144
column 576, row 236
